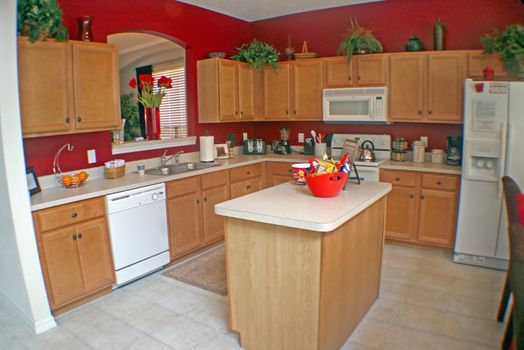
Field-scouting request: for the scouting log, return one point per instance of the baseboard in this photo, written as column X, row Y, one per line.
column 37, row 327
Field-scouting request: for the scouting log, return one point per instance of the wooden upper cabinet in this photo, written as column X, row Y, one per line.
column 370, row 70
column 96, row 86
column 225, row 91
column 228, row 90
column 277, row 98
column 407, row 88
column 338, row 72
column 446, row 74
column 478, row 61
column 427, row 87
column 307, row 90
column 45, row 94
column 246, row 95
column 68, row 87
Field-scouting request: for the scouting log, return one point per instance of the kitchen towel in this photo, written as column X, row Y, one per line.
column 207, row 148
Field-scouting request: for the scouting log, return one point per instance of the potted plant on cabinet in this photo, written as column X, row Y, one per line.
column 40, row 19
column 510, row 45
column 359, row 40
column 257, row 54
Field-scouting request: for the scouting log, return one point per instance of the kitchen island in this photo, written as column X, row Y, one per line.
column 302, row 271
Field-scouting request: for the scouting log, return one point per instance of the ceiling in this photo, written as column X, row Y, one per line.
column 254, row 10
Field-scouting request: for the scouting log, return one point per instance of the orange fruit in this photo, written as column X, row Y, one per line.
column 66, row 180
column 83, row 176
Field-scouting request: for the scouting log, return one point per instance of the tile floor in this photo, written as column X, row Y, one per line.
column 426, row 302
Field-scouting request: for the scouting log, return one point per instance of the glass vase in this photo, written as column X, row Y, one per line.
column 85, row 23
column 152, row 122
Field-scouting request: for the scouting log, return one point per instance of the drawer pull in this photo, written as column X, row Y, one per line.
column 422, row 196
column 248, row 172
column 66, row 120
column 359, row 77
column 419, row 111
column 74, row 236
column 397, row 179
column 74, row 215
column 429, row 112
column 205, row 199
column 411, row 196
column 290, row 170
column 198, row 201
column 349, row 78
column 439, row 183
column 248, row 187
column 79, row 119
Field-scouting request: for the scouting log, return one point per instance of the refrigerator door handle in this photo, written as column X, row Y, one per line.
column 502, row 160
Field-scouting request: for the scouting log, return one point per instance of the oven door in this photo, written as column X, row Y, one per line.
column 348, row 108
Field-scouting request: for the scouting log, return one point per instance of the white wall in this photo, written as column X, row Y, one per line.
column 21, row 282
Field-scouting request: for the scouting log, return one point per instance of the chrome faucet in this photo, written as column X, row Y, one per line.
column 164, row 159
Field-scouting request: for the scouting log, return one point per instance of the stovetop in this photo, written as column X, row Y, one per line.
column 381, row 142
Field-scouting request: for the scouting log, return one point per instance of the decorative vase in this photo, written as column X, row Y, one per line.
column 414, row 44
column 289, row 51
column 85, row 33
column 152, row 122
column 439, row 34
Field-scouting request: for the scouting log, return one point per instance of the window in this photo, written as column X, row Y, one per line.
column 173, row 111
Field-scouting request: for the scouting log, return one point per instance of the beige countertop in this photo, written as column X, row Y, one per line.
column 294, row 206
column 100, row 187
column 423, row 167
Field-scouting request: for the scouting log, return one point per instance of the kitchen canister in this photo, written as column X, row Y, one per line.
column 418, row 152
column 207, row 148
column 437, row 156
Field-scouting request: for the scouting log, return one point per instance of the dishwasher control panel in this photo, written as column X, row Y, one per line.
column 136, row 197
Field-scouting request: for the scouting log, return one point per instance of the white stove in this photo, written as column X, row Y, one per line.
column 367, row 171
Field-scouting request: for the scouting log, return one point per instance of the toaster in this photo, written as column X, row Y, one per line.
column 255, row 146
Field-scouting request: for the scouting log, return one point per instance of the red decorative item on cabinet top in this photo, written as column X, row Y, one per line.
column 489, row 74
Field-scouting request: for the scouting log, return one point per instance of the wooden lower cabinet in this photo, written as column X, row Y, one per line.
column 278, row 173
column 192, row 221
column 421, row 207
column 75, row 252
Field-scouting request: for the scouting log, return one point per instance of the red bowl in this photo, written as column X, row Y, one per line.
column 327, row 185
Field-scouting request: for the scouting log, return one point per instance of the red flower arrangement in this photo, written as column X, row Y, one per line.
column 147, row 97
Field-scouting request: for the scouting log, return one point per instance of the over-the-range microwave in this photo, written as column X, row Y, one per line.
column 355, row 105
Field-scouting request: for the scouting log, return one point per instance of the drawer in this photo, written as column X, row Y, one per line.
column 69, row 214
column 214, row 179
column 402, row 178
column 278, row 168
column 440, row 182
column 245, row 172
column 181, row 187
column 241, row 188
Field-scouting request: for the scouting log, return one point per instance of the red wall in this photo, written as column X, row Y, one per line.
column 203, row 31
column 199, row 30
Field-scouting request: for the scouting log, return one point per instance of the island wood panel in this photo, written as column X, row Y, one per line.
column 273, row 284
column 346, row 294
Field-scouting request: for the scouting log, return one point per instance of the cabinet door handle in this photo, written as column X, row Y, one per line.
column 241, row 113
column 248, row 172
column 422, row 196
column 411, row 196
column 66, row 120
column 79, row 119
column 429, row 112
column 290, row 170
column 248, row 187
column 349, row 78
column 359, row 77
column 198, row 201
column 295, row 112
column 397, row 179
column 236, row 112
column 439, row 183
column 74, row 236
column 205, row 199
column 287, row 112
column 74, row 215
column 419, row 111
column 80, row 235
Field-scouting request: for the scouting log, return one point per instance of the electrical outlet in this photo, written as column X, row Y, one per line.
column 301, row 137
column 91, row 156
column 244, row 136
column 424, row 140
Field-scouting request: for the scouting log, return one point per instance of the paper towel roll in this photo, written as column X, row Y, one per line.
column 207, row 148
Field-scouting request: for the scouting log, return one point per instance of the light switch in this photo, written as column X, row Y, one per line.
column 91, row 156
column 244, row 136
column 301, row 137
column 424, row 140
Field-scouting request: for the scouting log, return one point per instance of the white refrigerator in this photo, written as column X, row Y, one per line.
column 493, row 147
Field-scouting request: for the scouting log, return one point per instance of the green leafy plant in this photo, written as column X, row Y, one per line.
column 510, row 45
column 359, row 40
column 257, row 54
column 129, row 112
column 41, row 19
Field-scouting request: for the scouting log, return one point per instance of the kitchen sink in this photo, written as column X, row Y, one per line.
column 179, row 168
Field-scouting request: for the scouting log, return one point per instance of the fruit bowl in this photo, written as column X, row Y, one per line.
column 73, row 180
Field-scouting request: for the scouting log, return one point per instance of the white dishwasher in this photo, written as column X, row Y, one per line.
column 138, row 231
